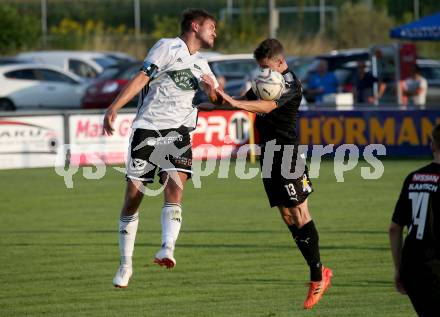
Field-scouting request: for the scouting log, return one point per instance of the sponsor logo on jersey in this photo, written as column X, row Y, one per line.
column 423, row 187
column 179, row 60
column 197, row 67
column 426, row 178
column 184, row 79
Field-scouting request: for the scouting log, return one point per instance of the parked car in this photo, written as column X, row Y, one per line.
column 83, row 64
column 300, row 65
column 232, row 66
column 107, row 86
column 7, row 60
column 30, row 86
column 430, row 70
column 336, row 59
column 119, row 57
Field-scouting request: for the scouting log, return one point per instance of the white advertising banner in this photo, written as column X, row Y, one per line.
column 88, row 145
column 30, row 141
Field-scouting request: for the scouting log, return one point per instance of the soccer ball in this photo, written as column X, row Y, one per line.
column 268, row 84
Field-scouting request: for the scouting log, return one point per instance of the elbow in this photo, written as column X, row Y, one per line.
column 395, row 229
column 269, row 109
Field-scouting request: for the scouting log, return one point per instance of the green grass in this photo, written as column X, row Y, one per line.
column 59, row 251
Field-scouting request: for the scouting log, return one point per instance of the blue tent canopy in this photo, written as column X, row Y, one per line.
column 425, row 29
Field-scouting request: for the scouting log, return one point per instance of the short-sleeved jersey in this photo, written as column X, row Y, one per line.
column 167, row 102
column 328, row 82
column 418, row 208
column 280, row 123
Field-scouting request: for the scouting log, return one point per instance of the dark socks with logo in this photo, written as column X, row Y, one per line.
column 307, row 240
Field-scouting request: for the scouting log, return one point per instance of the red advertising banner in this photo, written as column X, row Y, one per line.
column 220, row 133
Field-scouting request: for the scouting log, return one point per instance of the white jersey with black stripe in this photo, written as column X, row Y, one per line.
column 168, row 101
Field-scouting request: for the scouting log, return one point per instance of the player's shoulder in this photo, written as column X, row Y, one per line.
column 201, row 61
column 427, row 173
column 201, row 58
column 170, row 43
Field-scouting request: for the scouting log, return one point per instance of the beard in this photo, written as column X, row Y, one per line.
column 205, row 43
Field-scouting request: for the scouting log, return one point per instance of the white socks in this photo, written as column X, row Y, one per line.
column 127, row 234
column 171, row 222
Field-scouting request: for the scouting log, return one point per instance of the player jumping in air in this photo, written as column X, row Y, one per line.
column 417, row 261
column 276, row 121
column 168, row 80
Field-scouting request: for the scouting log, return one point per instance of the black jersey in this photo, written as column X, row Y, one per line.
column 280, row 123
column 418, row 208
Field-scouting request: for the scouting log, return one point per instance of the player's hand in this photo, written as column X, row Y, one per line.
column 208, row 83
column 227, row 98
column 109, row 119
column 398, row 283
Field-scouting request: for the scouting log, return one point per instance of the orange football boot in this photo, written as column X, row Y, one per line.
column 317, row 289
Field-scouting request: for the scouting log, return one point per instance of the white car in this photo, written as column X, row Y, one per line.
column 83, row 64
column 31, row 86
column 232, row 66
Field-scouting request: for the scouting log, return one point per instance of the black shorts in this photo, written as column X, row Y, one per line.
column 286, row 181
column 422, row 284
column 170, row 150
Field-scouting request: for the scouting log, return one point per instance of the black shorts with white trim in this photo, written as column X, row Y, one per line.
column 285, row 177
column 168, row 150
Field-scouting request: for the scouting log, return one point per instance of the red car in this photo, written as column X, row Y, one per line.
column 107, row 86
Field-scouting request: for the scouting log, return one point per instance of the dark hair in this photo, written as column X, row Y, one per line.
column 268, row 48
column 436, row 136
column 194, row 15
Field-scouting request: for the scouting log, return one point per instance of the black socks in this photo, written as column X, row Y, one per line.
column 307, row 240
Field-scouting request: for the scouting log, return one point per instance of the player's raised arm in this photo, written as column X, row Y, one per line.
column 130, row 90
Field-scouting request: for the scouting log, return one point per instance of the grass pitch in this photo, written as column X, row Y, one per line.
column 235, row 257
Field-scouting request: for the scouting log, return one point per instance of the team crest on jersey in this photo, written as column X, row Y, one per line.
column 184, row 79
column 305, row 184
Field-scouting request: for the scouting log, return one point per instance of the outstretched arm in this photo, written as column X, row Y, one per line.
column 258, row 106
column 130, row 90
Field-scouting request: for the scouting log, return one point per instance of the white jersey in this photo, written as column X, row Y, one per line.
column 168, row 102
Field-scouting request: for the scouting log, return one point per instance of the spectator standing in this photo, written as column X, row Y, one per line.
column 323, row 82
column 414, row 89
column 363, row 89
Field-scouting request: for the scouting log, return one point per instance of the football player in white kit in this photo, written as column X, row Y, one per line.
column 168, row 80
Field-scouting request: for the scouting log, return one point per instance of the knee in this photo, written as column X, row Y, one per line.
column 295, row 213
column 173, row 192
column 133, row 199
column 131, row 204
column 300, row 215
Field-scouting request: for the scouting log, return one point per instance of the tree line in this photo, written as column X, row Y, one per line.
column 109, row 24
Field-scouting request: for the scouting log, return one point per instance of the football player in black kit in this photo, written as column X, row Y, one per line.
column 417, row 261
column 276, row 125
